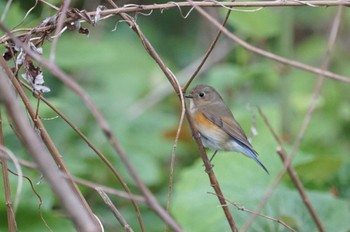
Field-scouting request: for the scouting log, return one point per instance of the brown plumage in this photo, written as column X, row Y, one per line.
column 216, row 124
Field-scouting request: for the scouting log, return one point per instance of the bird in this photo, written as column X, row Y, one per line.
column 216, row 124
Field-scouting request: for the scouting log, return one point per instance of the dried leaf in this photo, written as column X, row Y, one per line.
column 84, row 31
column 75, row 25
column 33, row 75
column 98, row 14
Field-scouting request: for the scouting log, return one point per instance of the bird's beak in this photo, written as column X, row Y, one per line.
column 188, row 96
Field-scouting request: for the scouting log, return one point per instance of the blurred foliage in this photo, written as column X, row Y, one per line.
column 116, row 72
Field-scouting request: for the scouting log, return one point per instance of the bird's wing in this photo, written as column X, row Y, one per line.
column 228, row 123
column 232, row 128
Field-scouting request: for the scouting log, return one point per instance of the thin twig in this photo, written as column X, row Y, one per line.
column 36, row 194
column 173, row 153
column 205, row 4
column 6, row 9
column 114, row 210
column 27, row 13
column 320, row 80
column 307, row 118
column 87, row 141
column 293, row 174
column 50, row 5
column 162, row 90
column 139, row 8
column 22, row 162
column 152, row 52
column 108, row 190
column 63, row 189
column 207, row 164
column 80, row 92
column 11, row 220
column 70, row 83
column 83, row 182
column 249, row 47
column 270, row 55
column 60, row 22
column 149, row 48
column 208, row 169
column 256, row 213
column 42, row 130
column 13, row 158
column 209, row 51
column 316, row 92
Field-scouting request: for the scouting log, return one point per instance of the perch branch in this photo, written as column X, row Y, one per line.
column 152, row 52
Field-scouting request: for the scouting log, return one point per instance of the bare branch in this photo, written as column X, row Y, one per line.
column 257, row 214
column 152, row 52
column 114, row 210
column 6, row 9
column 210, row 50
column 12, row 225
column 288, row 160
column 270, row 55
column 70, row 83
column 64, row 191
column 293, row 175
column 88, row 142
column 60, row 22
column 173, row 153
column 19, row 171
column 80, row 181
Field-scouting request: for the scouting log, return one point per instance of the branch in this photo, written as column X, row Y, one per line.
column 74, row 86
column 206, row 56
column 114, row 210
column 283, row 60
column 171, row 78
column 64, row 191
column 80, row 181
column 133, row 8
column 12, row 225
column 89, row 143
column 257, row 214
column 307, row 118
column 293, row 174
column 269, row 55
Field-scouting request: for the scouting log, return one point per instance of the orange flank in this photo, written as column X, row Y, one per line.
column 200, row 119
column 205, row 126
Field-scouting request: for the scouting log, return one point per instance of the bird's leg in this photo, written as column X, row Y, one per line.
column 212, row 157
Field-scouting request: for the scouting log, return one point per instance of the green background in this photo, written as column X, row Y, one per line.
column 117, row 73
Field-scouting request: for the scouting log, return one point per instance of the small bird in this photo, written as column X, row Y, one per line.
column 215, row 122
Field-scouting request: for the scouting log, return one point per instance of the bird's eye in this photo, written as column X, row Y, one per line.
column 201, row 94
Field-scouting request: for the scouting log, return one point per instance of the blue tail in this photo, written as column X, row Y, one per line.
column 253, row 155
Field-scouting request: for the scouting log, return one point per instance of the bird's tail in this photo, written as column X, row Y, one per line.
column 254, row 156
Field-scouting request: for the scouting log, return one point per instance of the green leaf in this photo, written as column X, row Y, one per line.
column 243, row 182
column 319, row 170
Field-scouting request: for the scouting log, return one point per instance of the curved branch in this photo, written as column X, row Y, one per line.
column 70, row 199
column 270, row 55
